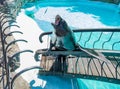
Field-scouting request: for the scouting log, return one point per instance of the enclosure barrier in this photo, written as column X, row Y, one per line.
column 81, row 64
column 10, row 52
column 110, row 33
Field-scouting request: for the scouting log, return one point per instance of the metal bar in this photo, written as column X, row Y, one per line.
column 116, row 69
column 102, row 69
column 5, row 18
column 84, row 66
column 85, row 30
column 9, row 34
column 97, row 40
column 80, row 37
column 115, row 66
column 21, row 72
column 88, row 39
column 107, row 40
column 88, row 66
column 11, row 21
column 115, row 44
column 8, row 27
column 79, row 53
column 18, row 53
column 110, row 71
column 13, row 42
column 76, row 65
column 96, row 68
column 4, row 55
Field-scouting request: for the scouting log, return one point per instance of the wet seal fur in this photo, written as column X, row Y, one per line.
column 63, row 35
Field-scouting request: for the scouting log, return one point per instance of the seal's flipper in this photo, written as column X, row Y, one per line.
column 95, row 54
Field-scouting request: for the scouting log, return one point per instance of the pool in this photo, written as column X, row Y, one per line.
column 43, row 14
column 94, row 10
column 91, row 16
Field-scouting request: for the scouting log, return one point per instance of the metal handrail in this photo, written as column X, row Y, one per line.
column 8, row 27
column 13, row 42
column 22, row 71
column 9, row 34
column 18, row 53
column 107, row 40
column 84, row 30
column 102, row 30
column 5, row 67
column 11, row 21
column 7, row 17
column 108, row 53
column 97, row 40
column 88, row 39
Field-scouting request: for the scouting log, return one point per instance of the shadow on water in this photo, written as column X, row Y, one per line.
column 56, row 82
column 34, row 87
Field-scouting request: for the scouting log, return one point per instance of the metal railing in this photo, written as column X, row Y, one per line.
column 10, row 60
column 90, row 67
column 90, row 38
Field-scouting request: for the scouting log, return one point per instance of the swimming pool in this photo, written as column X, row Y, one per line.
column 93, row 9
column 77, row 17
column 91, row 16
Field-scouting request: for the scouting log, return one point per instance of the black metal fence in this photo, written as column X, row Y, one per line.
column 10, row 52
column 86, row 66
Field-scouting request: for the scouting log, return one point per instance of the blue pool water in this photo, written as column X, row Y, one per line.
column 93, row 15
column 78, row 14
column 111, row 17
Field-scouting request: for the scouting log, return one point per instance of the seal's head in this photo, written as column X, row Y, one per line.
column 57, row 19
